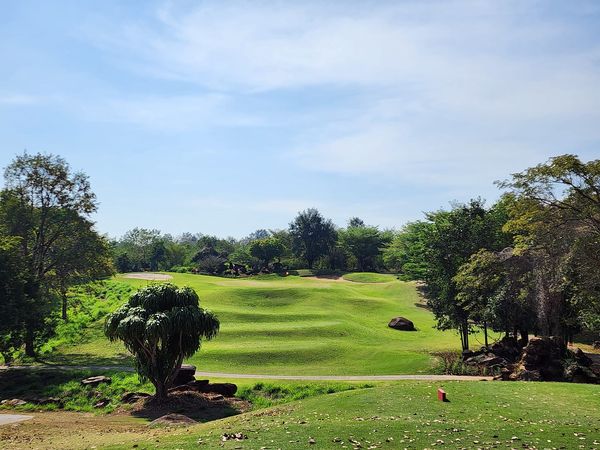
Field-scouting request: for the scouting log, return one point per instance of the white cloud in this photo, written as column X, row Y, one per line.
column 172, row 113
column 442, row 86
column 19, row 99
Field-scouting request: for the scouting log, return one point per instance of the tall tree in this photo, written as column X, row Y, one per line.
column 364, row 243
column 161, row 325
column 312, row 235
column 452, row 237
column 266, row 249
column 13, row 299
column 42, row 196
column 555, row 216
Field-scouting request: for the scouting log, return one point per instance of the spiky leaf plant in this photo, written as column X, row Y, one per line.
column 161, row 325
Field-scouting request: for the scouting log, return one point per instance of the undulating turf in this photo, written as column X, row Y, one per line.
column 295, row 325
column 369, row 277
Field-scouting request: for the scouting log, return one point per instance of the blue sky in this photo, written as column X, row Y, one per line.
column 224, row 117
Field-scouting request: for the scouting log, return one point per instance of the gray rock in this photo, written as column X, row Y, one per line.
column 95, row 381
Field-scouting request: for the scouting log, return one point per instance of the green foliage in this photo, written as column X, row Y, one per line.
column 89, row 304
column 364, row 244
column 266, row 249
column 46, row 206
column 406, row 252
column 442, row 246
column 451, row 363
column 13, row 301
column 312, row 236
column 161, row 325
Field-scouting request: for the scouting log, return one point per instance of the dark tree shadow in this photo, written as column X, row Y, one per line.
column 85, row 359
column 191, row 404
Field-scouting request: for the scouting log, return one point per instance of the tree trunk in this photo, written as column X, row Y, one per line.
column 161, row 392
column 485, row 333
column 64, row 306
column 29, row 345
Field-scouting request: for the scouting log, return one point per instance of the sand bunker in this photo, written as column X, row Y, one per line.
column 148, row 276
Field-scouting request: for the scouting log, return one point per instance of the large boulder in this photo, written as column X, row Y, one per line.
column 185, row 375
column 487, row 360
column 541, row 360
column 401, row 323
column 507, row 348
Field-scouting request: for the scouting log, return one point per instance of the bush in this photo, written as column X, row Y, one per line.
column 451, row 363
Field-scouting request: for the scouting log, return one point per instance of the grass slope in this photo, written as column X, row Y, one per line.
column 388, row 416
column 369, row 277
column 294, row 325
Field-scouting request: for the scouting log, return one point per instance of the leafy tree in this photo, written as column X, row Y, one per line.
column 364, row 243
column 212, row 264
column 161, row 325
column 312, row 235
column 452, row 237
column 266, row 249
column 406, row 253
column 41, row 200
column 356, row 222
column 555, row 216
column 13, row 299
column 143, row 247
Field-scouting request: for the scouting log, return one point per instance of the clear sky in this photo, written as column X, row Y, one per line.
column 223, row 117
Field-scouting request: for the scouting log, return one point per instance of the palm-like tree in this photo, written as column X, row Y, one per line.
column 161, row 325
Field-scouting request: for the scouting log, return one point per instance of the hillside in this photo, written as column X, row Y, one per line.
column 298, row 325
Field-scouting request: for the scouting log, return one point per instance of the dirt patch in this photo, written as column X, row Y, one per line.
column 335, row 278
column 148, row 276
column 61, row 429
column 195, row 405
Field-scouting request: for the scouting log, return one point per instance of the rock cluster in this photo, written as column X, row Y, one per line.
column 186, row 374
column 204, row 386
column 542, row 359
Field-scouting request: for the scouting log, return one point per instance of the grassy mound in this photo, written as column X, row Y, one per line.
column 295, row 325
column 369, row 277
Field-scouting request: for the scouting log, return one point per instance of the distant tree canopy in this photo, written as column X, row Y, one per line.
column 312, row 236
column 364, row 243
column 45, row 206
column 266, row 249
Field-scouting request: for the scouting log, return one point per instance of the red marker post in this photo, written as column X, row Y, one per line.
column 441, row 395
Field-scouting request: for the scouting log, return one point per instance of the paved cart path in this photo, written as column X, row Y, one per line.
column 7, row 419
column 273, row 377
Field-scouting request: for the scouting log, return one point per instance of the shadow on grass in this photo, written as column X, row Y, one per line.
column 29, row 384
column 85, row 359
column 191, row 404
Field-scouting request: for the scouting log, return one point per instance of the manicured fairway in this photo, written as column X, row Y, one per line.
column 293, row 325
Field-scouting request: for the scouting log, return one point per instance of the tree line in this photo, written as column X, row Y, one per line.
column 311, row 241
column 526, row 264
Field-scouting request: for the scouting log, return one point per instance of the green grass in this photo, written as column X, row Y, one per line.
column 408, row 415
column 369, row 277
column 295, row 325
column 66, row 387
